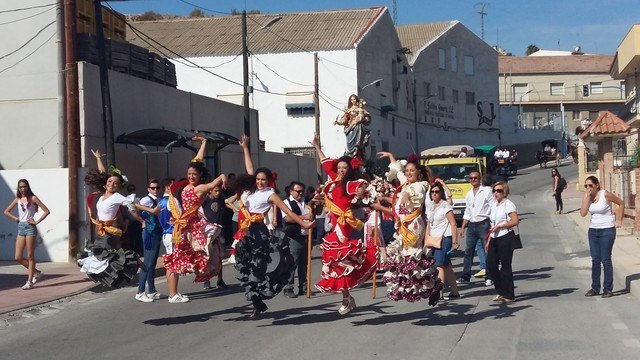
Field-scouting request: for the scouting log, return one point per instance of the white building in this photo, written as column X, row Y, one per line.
column 355, row 48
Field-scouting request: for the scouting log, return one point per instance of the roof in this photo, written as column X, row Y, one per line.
column 293, row 32
column 555, row 64
column 418, row 36
column 554, row 53
column 607, row 123
column 446, row 150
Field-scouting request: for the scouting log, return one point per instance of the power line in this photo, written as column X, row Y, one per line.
column 27, row 8
column 28, row 17
column 31, row 53
column 276, row 73
column 205, row 9
column 28, row 41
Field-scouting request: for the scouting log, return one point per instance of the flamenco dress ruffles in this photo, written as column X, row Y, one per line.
column 346, row 262
column 411, row 273
column 263, row 259
column 104, row 261
column 189, row 255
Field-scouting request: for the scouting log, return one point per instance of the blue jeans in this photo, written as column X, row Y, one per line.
column 600, row 245
column 150, row 261
column 442, row 256
column 474, row 241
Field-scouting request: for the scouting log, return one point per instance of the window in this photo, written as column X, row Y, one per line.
column 441, row 93
column 470, row 98
column 307, row 151
column 556, row 88
column 454, row 59
column 442, row 61
column 596, row 87
column 393, row 126
column 455, row 96
column 520, row 92
column 299, row 103
column 468, row 65
column 427, row 89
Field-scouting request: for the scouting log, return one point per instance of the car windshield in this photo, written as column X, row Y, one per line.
column 454, row 173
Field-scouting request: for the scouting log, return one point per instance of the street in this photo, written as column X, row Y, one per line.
column 550, row 319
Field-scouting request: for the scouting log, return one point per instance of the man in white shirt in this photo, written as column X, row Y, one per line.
column 476, row 219
column 298, row 236
column 151, row 238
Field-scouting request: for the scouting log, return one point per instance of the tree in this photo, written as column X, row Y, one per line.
column 531, row 49
column 235, row 11
column 196, row 13
column 149, row 16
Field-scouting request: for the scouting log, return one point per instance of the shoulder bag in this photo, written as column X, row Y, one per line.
column 435, row 242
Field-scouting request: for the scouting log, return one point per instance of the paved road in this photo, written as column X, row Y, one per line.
column 550, row 319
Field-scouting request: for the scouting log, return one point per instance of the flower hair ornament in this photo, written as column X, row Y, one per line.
column 414, row 158
column 197, row 160
column 272, row 183
column 355, row 163
column 115, row 170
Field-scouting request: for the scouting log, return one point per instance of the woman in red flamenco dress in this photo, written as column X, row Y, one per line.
column 189, row 255
column 346, row 262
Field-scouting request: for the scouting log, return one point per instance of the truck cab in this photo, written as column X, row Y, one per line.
column 445, row 164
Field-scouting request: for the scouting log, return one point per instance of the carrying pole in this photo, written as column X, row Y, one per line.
column 375, row 241
column 309, row 232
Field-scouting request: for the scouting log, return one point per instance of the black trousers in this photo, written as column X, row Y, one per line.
column 558, row 196
column 298, row 249
column 499, row 259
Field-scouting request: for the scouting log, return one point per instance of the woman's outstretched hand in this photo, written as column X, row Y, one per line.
column 244, row 141
column 97, row 153
column 198, row 137
column 316, row 140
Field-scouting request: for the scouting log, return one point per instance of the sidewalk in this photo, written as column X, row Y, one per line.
column 626, row 248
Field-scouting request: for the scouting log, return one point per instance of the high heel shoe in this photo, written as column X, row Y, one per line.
column 345, row 309
column 258, row 308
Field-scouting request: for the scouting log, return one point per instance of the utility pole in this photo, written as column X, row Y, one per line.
column 316, row 107
column 482, row 15
column 72, row 119
column 107, row 116
column 245, row 78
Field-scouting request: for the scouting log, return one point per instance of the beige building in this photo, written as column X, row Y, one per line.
column 559, row 91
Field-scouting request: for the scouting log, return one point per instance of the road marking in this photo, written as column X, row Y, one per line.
column 620, row 326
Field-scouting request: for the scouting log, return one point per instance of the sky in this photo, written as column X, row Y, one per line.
column 596, row 26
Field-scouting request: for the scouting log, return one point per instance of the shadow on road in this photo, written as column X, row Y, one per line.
column 187, row 319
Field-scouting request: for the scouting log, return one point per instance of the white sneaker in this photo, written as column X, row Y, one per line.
column 488, row 282
column 178, row 298
column 206, row 285
column 155, row 296
column 27, row 286
column 37, row 276
column 232, row 259
column 142, row 297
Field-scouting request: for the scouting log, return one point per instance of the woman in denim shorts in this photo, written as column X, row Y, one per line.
column 28, row 205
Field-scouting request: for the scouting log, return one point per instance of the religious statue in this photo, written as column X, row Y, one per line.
column 354, row 121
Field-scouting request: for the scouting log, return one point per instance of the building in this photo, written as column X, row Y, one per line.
column 559, row 91
column 424, row 84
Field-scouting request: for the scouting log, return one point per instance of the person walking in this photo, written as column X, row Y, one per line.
column 298, row 237
column 28, row 205
column 602, row 233
column 443, row 223
column 504, row 217
column 164, row 217
column 151, row 239
column 475, row 226
column 213, row 208
column 558, row 187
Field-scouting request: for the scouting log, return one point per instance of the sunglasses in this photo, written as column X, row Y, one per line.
column 154, row 187
column 588, row 185
column 435, row 191
column 499, row 191
column 473, row 178
column 298, row 191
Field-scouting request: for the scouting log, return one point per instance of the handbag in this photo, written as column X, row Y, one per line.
column 516, row 241
column 435, row 242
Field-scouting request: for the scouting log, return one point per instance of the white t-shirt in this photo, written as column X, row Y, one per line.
column 108, row 209
column 500, row 215
column 437, row 215
column 258, row 201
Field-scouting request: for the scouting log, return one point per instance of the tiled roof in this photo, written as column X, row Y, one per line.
column 416, row 37
column 555, row 64
column 607, row 123
column 293, row 32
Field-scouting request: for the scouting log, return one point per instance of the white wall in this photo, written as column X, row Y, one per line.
column 29, row 98
column 50, row 185
column 276, row 128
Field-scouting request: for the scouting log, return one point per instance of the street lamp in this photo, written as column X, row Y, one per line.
column 374, row 82
column 520, row 108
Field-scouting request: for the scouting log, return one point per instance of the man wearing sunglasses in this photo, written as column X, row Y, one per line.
column 298, row 236
column 476, row 219
column 151, row 238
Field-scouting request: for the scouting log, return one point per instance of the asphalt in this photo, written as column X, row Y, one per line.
column 62, row 280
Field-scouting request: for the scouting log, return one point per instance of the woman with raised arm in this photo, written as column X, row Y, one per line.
column 28, row 205
column 346, row 262
column 411, row 274
column 234, row 201
column 190, row 255
column 105, row 261
column 262, row 255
